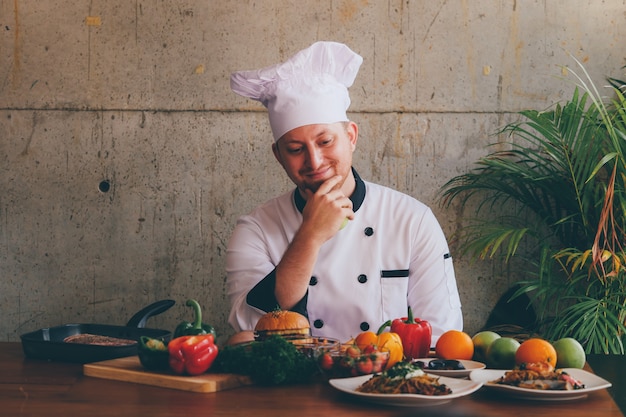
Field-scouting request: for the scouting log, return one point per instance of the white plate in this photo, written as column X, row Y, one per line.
column 457, row 373
column 459, row 387
column 592, row 383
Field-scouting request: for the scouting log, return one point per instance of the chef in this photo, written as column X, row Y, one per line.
column 347, row 253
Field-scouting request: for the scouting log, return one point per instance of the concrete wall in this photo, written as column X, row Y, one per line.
column 134, row 96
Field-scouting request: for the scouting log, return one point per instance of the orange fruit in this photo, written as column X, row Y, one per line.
column 366, row 339
column 536, row 350
column 454, row 344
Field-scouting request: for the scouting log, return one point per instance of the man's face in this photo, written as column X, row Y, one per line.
column 312, row 154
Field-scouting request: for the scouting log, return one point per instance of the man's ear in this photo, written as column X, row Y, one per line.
column 353, row 133
column 277, row 154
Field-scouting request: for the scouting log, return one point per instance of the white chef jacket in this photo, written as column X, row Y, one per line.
column 393, row 254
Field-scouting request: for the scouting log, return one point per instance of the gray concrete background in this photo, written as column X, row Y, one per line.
column 136, row 94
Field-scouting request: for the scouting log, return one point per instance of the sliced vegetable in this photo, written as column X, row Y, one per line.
column 153, row 353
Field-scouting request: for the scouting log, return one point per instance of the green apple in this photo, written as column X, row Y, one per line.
column 501, row 353
column 569, row 353
column 482, row 340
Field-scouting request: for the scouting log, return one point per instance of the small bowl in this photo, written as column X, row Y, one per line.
column 344, row 363
column 313, row 347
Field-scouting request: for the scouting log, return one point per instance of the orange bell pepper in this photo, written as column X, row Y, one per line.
column 383, row 341
column 391, row 342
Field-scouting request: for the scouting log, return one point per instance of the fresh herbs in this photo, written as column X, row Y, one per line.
column 403, row 370
column 274, row 361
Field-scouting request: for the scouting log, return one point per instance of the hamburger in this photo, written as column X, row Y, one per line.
column 287, row 324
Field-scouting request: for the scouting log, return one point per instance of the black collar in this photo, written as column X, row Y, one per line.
column 357, row 196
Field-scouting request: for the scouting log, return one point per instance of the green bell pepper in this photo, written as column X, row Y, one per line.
column 196, row 327
column 153, row 353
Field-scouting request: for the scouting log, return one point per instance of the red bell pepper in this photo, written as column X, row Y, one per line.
column 416, row 335
column 192, row 355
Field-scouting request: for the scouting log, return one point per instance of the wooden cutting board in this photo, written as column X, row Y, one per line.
column 129, row 369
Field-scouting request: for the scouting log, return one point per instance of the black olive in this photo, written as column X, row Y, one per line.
column 454, row 365
column 445, row 364
column 437, row 364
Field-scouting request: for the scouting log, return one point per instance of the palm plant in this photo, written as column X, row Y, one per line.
column 555, row 199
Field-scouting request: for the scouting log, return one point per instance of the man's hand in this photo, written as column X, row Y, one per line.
column 326, row 210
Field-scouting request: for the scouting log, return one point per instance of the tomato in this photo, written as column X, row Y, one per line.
column 365, row 366
column 369, row 349
column 326, row 361
column 378, row 361
column 353, row 351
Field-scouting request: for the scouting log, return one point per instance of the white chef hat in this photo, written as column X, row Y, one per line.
column 309, row 88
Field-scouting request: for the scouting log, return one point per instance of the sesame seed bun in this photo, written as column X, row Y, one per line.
column 288, row 324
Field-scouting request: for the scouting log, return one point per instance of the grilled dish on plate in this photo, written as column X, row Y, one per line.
column 541, row 389
column 405, row 384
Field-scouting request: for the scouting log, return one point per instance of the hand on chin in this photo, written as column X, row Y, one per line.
column 314, row 185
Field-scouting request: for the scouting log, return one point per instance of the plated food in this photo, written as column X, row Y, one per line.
column 455, row 388
column 533, row 377
column 404, row 378
column 493, row 379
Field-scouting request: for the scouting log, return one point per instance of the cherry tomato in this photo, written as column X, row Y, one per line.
column 353, row 352
column 365, row 366
column 369, row 349
column 326, row 361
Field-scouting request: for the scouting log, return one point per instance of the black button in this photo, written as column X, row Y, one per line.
column 365, row 326
column 318, row 323
column 362, row 278
column 313, row 281
column 369, row 231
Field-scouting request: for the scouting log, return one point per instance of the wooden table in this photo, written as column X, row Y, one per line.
column 31, row 387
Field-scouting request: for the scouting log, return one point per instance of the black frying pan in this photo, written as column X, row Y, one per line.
column 48, row 343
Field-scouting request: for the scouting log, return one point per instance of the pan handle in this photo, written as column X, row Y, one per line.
column 158, row 307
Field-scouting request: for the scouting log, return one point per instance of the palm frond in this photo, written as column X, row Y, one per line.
column 592, row 322
column 486, row 239
column 556, row 187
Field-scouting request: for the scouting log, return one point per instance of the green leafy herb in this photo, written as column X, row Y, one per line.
column 274, row 361
column 401, row 369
